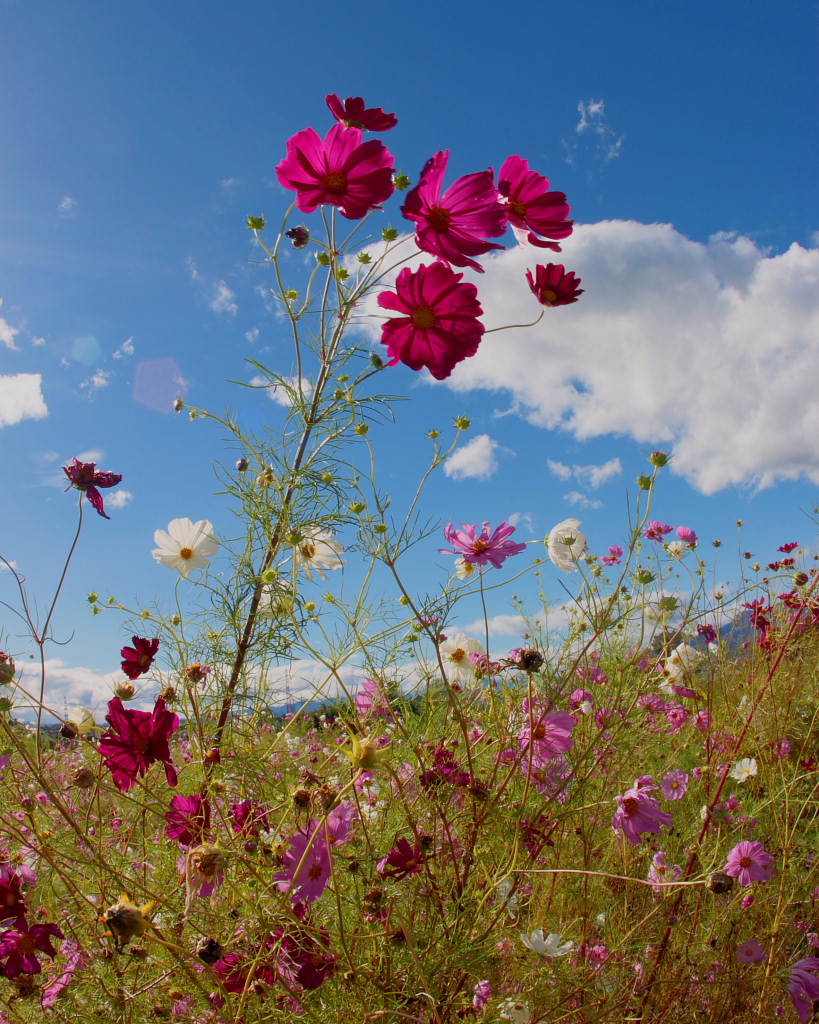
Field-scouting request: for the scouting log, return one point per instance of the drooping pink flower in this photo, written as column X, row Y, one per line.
column 751, row 952
column 675, row 785
column 803, row 987
column 188, row 820
column 354, row 114
column 339, row 170
column 749, row 862
column 440, row 325
column 19, row 944
column 84, row 476
column 637, row 813
column 76, row 961
column 455, row 226
column 370, row 699
column 138, row 659
column 707, row 632
column 533, row 209
column 135, row 740
column 614, row 556
column 655, row 530
column 401, row 861
column 553, row 286
column 487, row 546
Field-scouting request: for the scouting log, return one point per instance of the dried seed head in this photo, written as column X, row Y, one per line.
column 528, row 659
column 720, row 883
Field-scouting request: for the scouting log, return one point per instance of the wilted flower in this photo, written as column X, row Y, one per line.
column 481, row 995
column 566, row 545
column 317, row 550
column 138, row 659
column 340, row 170
column 638, row 813
column 549, row 946
column 439, row 327
column 84, row 476
column 7, row 668
column 455, row 225
column 354, row 114
column 749, row 862
column 125, row 920
column 135, row 740
column 186, row 545
column 518, row 1013
column 662, row 872
column 204, row 873
column 552, row 285
column 488, row 546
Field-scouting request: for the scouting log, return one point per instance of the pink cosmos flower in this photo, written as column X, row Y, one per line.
column 493, row 547
column 370, row 699
column 706, row 632
column 751, row 952
column 687, row 535
column 76, row 961
column 401, row 861
column 440, row 325
column 305, row 877
column 248, row 818
column 188, row 820
column 84, row 476
column 749, row 862
column 533, row 209
column 12, row 904
column 552, row 286
column 135, row 740
column 655, row 530
column 549, row 735
column 660, row 871
column 675, row 785
column 637, row 813
column 18, row 945
column 340, row 170
column 455, row 225
column 138, row 659
column 614, row 556
column 804, row 987
column 354, row 114
column 481, row 995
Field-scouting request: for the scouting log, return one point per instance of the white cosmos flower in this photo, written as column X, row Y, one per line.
column 317, row 550
column 464, row 569
column 186, row 545
column 518, row 1013
column 455, row 653
column 509, row 898
column 566, row 545
column 277, row 601
column 680, row 663
column 549, row 946
column 744, row 769
column 677, row 548
column 81, row 720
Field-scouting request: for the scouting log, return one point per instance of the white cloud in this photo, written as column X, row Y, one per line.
column 559, row 469
column 223, row 299
column 252, row 334
column 499, row 625
column 21, row 398
column 67, row 686
column 35, row 341
column 474, row 459
column 229, row 184
column 67, row 206
column 118, row 498
column 707, row 348
column 125, row 349
column 279, row 394
column 7, row 333
column 590, row 477
column 581, row 500
column 92, row 455
column 97, row 381
column 608, row 143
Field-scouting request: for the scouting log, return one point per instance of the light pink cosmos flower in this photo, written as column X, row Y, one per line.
column 354, row 114
column 455, row 225
column 637, row 813
column 675, row 785
column 749, row 862
column 549, row 735
column 307, row 882
column 687, row 535
column 751, row 952
column 533, row 209
column 339, row 170
column 655, row 530
column 803, row 987
column 614, row 556
column 660, row 871
column 487, row 546
column 440, row 325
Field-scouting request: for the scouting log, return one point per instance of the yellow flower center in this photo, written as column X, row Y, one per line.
column 438, row 218
column 548, row 296
column 480, row 546
column 517, row 208
column 308, row 550
column 186, row 553
column 423, row 318
column 336, row 182
column 458, row 655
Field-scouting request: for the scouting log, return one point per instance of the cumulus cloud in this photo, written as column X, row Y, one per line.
column 223, row 300
column 708, row 348
column 21, row 398
column 67, row 206
column 589, row 477
column 68, row 686
column 475, row 459
column 280, row 394
column 118, row 498
column 499, row 625
column 97, row 381
column 581, row 500
column 7, row 332
column 125, row 349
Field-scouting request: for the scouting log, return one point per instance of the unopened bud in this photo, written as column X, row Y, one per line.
column 299, row 236
column 178, row 404
column 241, row 464
column 125, row 690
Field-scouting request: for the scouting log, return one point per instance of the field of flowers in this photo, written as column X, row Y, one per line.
column 614, row 821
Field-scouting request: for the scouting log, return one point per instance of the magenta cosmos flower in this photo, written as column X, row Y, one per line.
column 455, row 225
column 12, row 904
column 637, row 813
column 135, row 740
column 401, row 861
column 18, row 946
column 339, row 170
column 749, row 862
column 552, row 286
column 354, row 114
column 440, row 325
column 188, row 820
column 84, row 476
column 493, row 547
column 803, row 987
column 138, row 659
column 533, row 209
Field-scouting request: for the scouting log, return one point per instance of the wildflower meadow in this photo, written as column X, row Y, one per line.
column 614, row 821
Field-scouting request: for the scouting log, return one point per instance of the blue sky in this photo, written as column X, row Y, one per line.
column 137, row 138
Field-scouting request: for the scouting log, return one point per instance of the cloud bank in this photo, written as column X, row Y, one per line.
column 710, row 349
column 21, row 398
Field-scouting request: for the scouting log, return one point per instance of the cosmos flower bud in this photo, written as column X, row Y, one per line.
column 528, row 659
column 125, row 690
column 178, row 404
column 209, row 950
column 7, row 668
column 299, row 236
column 241, row 464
